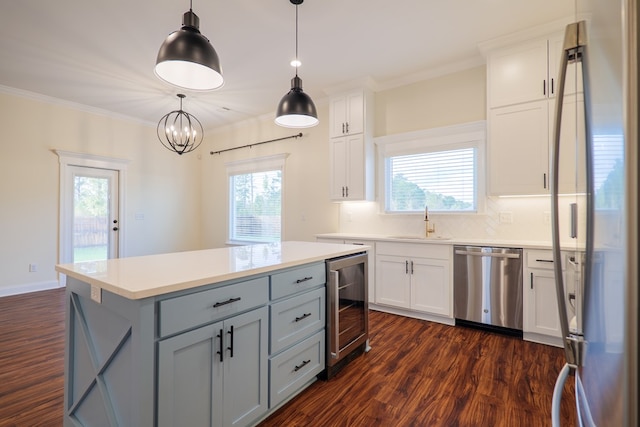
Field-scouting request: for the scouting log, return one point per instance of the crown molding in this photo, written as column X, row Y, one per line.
column 25, row 94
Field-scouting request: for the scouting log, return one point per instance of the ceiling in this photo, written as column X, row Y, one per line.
column 101, row 54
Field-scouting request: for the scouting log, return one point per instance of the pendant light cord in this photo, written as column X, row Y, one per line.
column 297, row 59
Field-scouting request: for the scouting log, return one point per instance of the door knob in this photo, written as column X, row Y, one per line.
column 115, row 228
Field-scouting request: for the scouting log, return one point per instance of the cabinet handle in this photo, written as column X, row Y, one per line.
column 342, row 191
column 531, row 280
column 221, row 351
column 347, row 127
column 552, row 90
column 229, row 301
column 230, row 348
column 411, row 267
column 544, row 181
column 347, row 191
column 304, row 316
column 302, row 365
column 306, row 279
column 544, row 260
column 343, row 128
column 573, row 212
column 544, row 87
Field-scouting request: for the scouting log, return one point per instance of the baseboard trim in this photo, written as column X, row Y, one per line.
column 415, row 314
column 30, row 287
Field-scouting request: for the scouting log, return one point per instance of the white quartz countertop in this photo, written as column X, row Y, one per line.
column 444, row 240
column 153, row 275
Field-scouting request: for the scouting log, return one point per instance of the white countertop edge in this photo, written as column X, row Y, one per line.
column 442, row 240
column 106, row 280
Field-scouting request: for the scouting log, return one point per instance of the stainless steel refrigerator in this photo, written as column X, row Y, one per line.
column 596, row 125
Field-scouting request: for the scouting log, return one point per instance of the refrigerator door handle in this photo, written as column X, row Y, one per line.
column 574, row 49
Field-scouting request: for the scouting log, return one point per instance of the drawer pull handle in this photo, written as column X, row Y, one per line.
column 229, row 301
column 304, row 316
column 302, row 365
column 304, row 280
column 544, row 260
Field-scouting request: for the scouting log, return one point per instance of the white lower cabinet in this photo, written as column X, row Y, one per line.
column 541, row 321
column 416, row 277
column 200, row 370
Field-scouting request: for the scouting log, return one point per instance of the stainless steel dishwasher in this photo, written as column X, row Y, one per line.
column 487, row 286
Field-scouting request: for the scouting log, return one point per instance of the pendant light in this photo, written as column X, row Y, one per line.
column 296, row 109
column 186, row 58
column 180, row 131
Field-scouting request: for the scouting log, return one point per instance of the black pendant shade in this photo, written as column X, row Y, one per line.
column 186, row 58
column 296, row 109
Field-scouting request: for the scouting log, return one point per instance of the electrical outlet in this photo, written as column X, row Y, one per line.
column 506, row 217
column 33, row 268
column 96, row 294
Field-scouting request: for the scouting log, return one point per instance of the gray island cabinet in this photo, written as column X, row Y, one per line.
column 219, row 337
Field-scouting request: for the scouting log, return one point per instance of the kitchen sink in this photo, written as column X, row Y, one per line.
column 417, row 237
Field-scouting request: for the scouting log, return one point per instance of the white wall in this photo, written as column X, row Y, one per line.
column 307, row 209
column 161, row 185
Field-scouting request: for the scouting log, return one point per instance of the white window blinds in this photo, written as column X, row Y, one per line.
column 255, row 199
column 442, row 180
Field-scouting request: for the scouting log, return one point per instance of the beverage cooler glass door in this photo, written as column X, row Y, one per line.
column 348, row 307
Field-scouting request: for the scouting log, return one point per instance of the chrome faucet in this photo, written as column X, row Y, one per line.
column 429, row 227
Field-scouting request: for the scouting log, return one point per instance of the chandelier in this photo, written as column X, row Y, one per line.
column 180, row 131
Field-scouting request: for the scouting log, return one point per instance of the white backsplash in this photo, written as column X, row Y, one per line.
column 530, row 220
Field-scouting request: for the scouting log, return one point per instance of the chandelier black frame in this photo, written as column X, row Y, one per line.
column 179, row 131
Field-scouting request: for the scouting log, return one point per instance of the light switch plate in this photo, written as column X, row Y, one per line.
column 506, row 217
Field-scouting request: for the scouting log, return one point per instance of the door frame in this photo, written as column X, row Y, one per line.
column 68, row 159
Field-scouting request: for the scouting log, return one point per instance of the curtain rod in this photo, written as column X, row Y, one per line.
column 298, row 135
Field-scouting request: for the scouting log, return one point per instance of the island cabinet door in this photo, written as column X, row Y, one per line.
column 190, row 382
column 245, row 367
column 215, row 375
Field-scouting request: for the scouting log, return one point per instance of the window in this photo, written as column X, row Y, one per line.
column 255, row 199
column 608, row 155
column 438, row 168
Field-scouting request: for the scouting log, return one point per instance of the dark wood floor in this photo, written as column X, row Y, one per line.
column 417, row 374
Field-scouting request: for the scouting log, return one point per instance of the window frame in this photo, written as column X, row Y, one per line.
column 254, row 165
column 467, row 135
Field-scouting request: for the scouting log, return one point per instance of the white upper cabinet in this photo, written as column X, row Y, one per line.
column 351, row 147
column 519, row 149
column 347, row 114
column 522, row 84
column 518, row 74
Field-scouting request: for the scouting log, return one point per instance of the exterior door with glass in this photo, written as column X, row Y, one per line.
column 91, row 215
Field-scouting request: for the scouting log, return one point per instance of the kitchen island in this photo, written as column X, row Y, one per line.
column 189, row 338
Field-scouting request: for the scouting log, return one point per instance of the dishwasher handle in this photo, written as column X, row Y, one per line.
column 488, row 254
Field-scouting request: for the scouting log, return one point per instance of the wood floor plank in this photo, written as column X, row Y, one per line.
column 418, row 373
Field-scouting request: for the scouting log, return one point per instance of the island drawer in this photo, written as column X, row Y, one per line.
column 295, row 318
column 188, row 311
column 297, row 280
column 294, row 367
